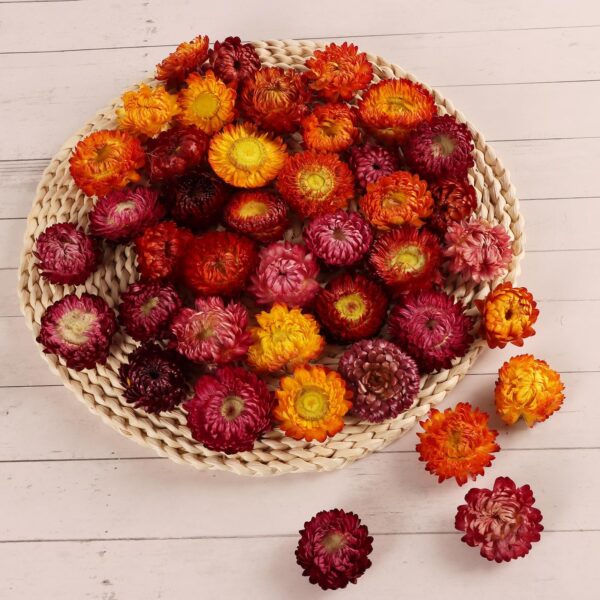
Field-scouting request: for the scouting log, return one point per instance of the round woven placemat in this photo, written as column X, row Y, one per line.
column 58, row 200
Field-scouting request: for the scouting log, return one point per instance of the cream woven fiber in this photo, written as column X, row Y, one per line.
column 59, row 200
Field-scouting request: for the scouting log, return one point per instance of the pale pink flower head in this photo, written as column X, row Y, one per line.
column 286, row 273
column 339, row 239
column 502, row 522
column 478, row 250
column 212, row 332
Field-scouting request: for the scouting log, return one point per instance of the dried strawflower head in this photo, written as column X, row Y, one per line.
column 311, row 403
column 371, row 162
column 502, row 521
column 457, row 443
column 454, row 199
column 527, row 387
column 330, row 128
column 187, row 58
column 234, row 62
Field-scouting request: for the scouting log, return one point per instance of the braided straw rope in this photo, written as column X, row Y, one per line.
column 58, row 200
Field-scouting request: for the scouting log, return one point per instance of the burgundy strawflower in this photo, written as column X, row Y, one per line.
column 339, row 239
column 432, row 327
column 371, row 162
column 230, row 410
column 232, row 61
column 79, row 329
column 385, row 380
column 478, row 250
column 175, row 152
column 333, row 549
column 351, row 307
column 66, row 254
column 286, row 273
column 196, row 200
column 124, row 214
column 146, row 310
column 212, row 331
column 153, row 378
column 502, row 522
column 440, row 147
column 454, row 199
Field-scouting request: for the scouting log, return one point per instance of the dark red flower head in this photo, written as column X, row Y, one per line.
column 333, row 549
column 371, row 163
column 454, row 199
column 234, row 62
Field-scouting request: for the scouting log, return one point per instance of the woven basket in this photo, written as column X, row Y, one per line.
column 58, row 200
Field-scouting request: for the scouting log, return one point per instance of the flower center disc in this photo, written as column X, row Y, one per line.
column 74, row 326
column 351, row 307
column 312, row 403
column 409, row 258
column 149, row 306
column 333, row 541
column 205, row 105
column 253, row 208
column 232, row 407
column 124, row 206
column 247, row 153
column 442, row 145
column 317, row 184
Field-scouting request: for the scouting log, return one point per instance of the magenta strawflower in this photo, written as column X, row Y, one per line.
column 371, row 162
column 432, row 327
column 65, row 254
column 286, row 273
column 384, row 379
column 478, row 250
column 333, row 549
column 153, row 378
column 339, row 239
column 212, row 332
column 230, row 410
column 79, row 329
column 146, row 310
column 502, row 522
column 123, row 214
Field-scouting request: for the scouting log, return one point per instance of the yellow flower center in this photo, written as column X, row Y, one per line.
column 408, row 258
column 334, row 541
column 398, row 105
column 312, row 403
column 247, row 153
column 317, row 183
column 442, row 145
column 149, row 306
column 253, row 208
column 205, row 105
column 351, row 306
column 232, row 407
column 123, row 206
column 74, row 326
column 395, row 199
column 104, row 153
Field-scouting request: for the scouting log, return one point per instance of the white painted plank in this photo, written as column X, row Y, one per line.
column 9, row 301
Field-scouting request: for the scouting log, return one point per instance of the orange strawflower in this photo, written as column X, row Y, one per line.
column 106, row 160
column 393, row 107
column 330, row 128
column 527, row 387
column 188, row 57
column 275, row 99
column 457, row 443
column 315, row 183
column 284, row 339
column 207, row 103
column 311, row 403
column 338, row 72
column 147, row 110
column 245, row 157
column 508, row 314
column 397, row 199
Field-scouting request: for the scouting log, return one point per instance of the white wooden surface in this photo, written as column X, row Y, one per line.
column 86, row 514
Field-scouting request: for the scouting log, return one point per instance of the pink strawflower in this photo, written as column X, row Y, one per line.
column 66, row 254
column 123, row 214
column 286, row 273
column 339, row 239
column 432, row 328
column 79, row 329
column 371, row 162
column 501, row 521
column 478, row 250
column 212, row 331
column 229, row 410
column 146, row 310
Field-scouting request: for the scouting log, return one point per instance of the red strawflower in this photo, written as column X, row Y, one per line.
column 454, row 199
column 153, row 379
column 234, row 62
column 124, row 214
column 351, row 307
column 146, row 310
column 219, row 263
column 502, row 521
column 407, row 258
column 259, row 214
column 440, row 148
column 333, row 549
column 66, row 254
column 371, row 162
column 196, row 200
column 79, row 329
column 339, row 239
column 175, row 152
column 230, row 410
column 160, row 251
